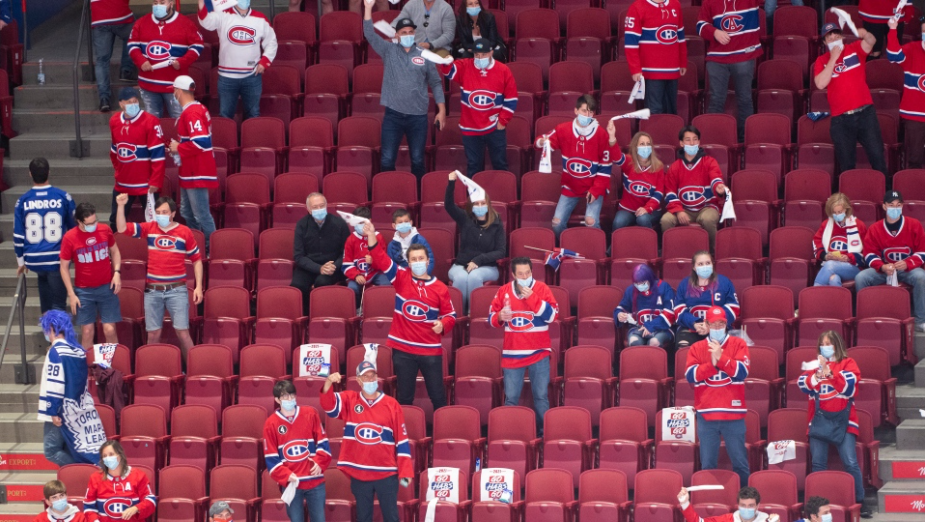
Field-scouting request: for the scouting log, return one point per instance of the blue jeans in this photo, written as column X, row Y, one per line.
column 396, row 125
column 52, row 293
column 156, row 102
column 386, row 489
column 733, row 433
column 175, row 301
column 248, row 88
column 56, row 450
column 626, row 219
column 564, row 210
column 467, row 282
column 770, row 6
column 496, row 141
column 915, row 278
column 661, row 338
column 194, row 208
column 833, row 272
column 662, row 96
column 742, row 74
column 539, row 384
column 97, row 301
column 315, row 500
column 104, row 38
column 819, row 451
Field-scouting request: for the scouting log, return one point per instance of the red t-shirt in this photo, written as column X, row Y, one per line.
column 90, row 250
column 848, row 89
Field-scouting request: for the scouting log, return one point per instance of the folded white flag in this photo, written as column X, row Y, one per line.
column 729, row 212
column 893, row 279
column 695, row 488
column 809, row 365
column 639, row 91
column 149, row 208
column 779, row 451
column 372, row 352
column 922, row 412
column 642, row 114
column 431, row 56
column 289, row 493
column 476, row 192
column 898, row 11
column 844, row 19
column 383, row 27
column 545, row 162
column 161, row 65
column 431, row 513
column 352, row 219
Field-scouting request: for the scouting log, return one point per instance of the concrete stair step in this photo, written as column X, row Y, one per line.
column 909, row 399
column 64, row 171
column 8, row 280
column 920, row 373
column 21, row 399
column 920, row 345
column 91, row 119
column 8, row 375
column 99, row 195
column 23, row 457
column 33, row 310
column 24, row 487
column 20, row 428
column 910, row 435
column 55, row 97
column 903, row 497
column 36, row 346
column 901, row 465
column 21, row 511
column 60, row 74
column 51, row 145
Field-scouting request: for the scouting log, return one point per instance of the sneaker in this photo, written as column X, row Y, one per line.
column 126, row 76
column 920, row 327
column 104, row 105
column 866, row 512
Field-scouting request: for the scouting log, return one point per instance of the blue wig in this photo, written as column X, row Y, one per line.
column 59, row 322
column 642, row 273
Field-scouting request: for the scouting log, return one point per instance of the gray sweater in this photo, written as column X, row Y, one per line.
column 441, row 26
column 406, row 77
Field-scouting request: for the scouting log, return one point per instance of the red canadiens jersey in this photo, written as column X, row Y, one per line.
column 692, row 187
column 719, row 391
column 72, row 514
column 655, row 43
column 107, row 498
column 912, row 59
column 375, row 444
column 642, row 188
column 876, row 11
column 848, row 89
column 838, row 242
column 526, row 336
column 197, row 169
column 691, row 516
column 834, row 393
column 156, row 41
column 418, row 304
column 489, row 96
column 294, row 446
column 90, row 253
column 881, row 246
column 167, row 251
column 110, row 12
column 587, row 161
column 137, row 152
column 355, row 251
column 737, row 18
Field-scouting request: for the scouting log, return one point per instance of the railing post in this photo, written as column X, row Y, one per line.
column 25, row 33
column 77, row 150
column 26, row 372
column 273, row 10
column 90, row 49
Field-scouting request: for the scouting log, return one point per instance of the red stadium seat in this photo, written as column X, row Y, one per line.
column 480, row 330
column 261, row 366
column 242, row 433
column 589, row 381
column 279, row 320
column 756, row 202
column 490, row 509
column 326, row 87
column 311, row 145
column 644, row 380
column 679, row 244
column 457, row 437
column 595, row 316
column 333, row 318
column 158, row 376
column 182, row 493
column 77, row 475
column 838, row 488
column 512, row 441
column 358, row 141
column 576, row 273
column 603, row 496
column 548, row 496
column 194, row 436
column 631, row 246
column 655, row 495
column 876, row 392
column 780, row 488
column 237, row 485
column 680, row 456
column 144, row 435
column 247, row 202
column 884, row 319
column 663, row 128
column 478, row 379
column 378, row 306
column 624, row 442
column 790, row 424
column 340, row 504
column 567, row 440
column 345, row 187
column 445, row 510
column 822, row 309
column 713, row 503
column 567, row 81
column 227, row 320
column 340, row 37
column 263, row 140
column 865, row 188
column 791, row 255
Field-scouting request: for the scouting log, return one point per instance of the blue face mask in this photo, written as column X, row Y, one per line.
column 524, row 282
column 894, row 213
column 644, row 151
column 746, row 513
column 704, row 271
column 46, row 337
column 132, row 110
column 160, row 11
column 691, row 150
column 827, row 351
column 839, row 217
column 585, row 121
column 481, row 211
column 111, row 462
column 59, row 505
column 642, row 286
column 406, row 40
column 359, row 228
column 287, row 405
column 717, row 334
column 403, row 228
column 163, row 220
column 370, row 387
column 481, row 63
column 91, row 228
column 244, row 5
column 319, row 214
column 826, row 517
column 473, row 11
column 418, row 268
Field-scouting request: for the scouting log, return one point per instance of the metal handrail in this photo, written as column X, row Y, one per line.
column 19, row 304
column 84, row 20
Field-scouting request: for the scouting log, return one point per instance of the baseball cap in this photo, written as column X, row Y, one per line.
column 365, row 366
column 481, row 45
column 891, row 196
column 184, row 82
column 829, row 27
column 715, row 314
column 127, row 93
column 218, row 507
column 403, row 23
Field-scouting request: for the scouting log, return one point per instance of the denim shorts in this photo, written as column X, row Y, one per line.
column 97, row 300
column 176, row 301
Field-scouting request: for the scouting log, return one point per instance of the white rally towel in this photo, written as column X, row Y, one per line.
column 844, row 19
column 102, row 354
column 372, row 352
column 289, row 494
column 639, row 91
column 220, row 5
column 729, row 212
column 149, row 208
column 352, row 219
column 898, row 10
column 161, row 65
column 679, row 424
column 476, row 193
column 695, row 488
column 642, row 114
column 314, row 360
column 443, row 484
column 893, row 279
column 809, row 365
column 545, row 158
column 385, row 28
column 780, row 451
column 497, row 485
column 431, row 56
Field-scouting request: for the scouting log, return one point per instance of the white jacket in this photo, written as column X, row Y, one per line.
column 241, row 39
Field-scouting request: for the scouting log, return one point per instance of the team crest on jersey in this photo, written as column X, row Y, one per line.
column 91, row 241
column 417, row 60
column 895, row 254
column 666, row 34
column 920, row 83
column 639, row 188
column 840, row 67
column 646, row 315
column 692, row 195
column 720, row 379
column 158, row 50
column 282, row 429
column 358, row 409
column 295, row 451
column 700, row 311
column 242, row 35
column 361, row 265
column 415, row 310
column 482, row 100
column 732, row 23
column 114, row 507
column 368, row 433
column 839, row 243
column 521, row 321
column 826, row 391
column 579, row 167
column 126, row 152
column 165, row 242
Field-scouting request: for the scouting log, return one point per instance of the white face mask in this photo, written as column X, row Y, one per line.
column 834, row 43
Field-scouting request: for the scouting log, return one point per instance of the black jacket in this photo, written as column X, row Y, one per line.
column 483, row 246
column 314, row 246
column 489, row 30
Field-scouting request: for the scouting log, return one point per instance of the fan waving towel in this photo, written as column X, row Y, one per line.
column 642, row 114
column 844, row 19
column 545, row 162
column 220, row 5
column 352, row 219
column 476, row 192
column 729, row 212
